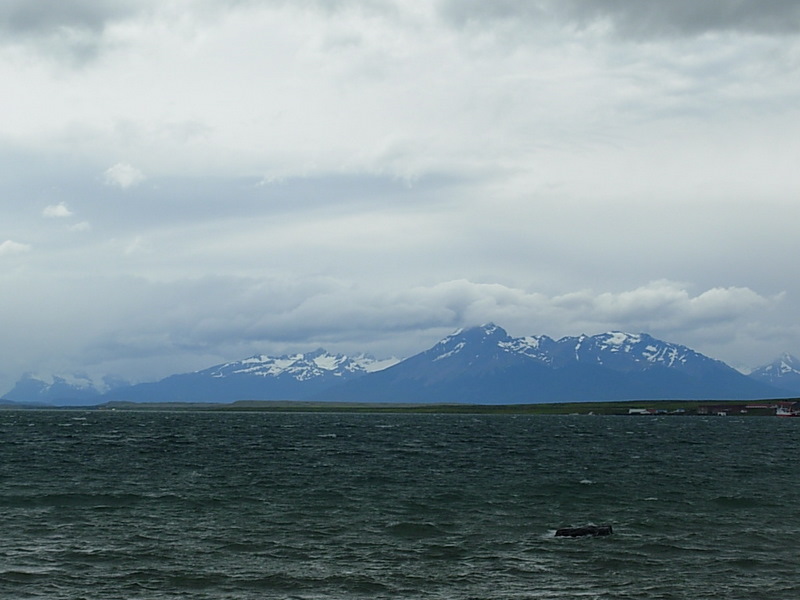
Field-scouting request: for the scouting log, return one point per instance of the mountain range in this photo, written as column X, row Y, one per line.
column 485, row 365
column 481, row 365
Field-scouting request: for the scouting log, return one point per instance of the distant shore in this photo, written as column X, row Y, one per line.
column 627, row 407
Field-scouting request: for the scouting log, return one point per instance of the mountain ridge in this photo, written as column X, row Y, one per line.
column 783, row 373
column 485, row 365
column 258, row 377
column 481, row 364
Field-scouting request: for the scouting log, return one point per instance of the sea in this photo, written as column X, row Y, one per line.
column 261, row 505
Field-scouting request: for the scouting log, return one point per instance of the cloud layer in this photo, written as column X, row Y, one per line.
column 185, row 182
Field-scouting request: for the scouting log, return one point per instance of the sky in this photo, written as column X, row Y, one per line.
column 189, row 182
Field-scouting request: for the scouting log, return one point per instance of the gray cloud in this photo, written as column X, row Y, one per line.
column 649, row 18
column 640, row 19
column 70, row 30
column 22, row 18
column 40, row 19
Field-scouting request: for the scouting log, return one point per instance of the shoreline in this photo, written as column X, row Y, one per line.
column 624, row 407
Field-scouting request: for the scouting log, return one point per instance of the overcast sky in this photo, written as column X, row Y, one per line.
column 185, row 182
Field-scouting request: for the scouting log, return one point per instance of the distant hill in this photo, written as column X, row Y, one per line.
column 485, row 365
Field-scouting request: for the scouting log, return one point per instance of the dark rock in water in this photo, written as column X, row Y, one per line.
column 593, row 530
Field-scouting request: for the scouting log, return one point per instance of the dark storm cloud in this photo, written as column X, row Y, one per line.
column 39, row 18
column 67, row 30
column 43, row 17
column 642, row 18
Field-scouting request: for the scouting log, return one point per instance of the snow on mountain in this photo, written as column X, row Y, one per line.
column 64, row 390
column 465, row 341
column 615, row 350
column 783, row 373
column 259, row 377
column 486, row 365
column 481, row 364
column 301, row 367
column 636, row 352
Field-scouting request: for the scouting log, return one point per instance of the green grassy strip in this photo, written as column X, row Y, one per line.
column 673, row 407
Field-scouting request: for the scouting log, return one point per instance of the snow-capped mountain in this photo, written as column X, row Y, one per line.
column 63, row 390
column 301, row 367
column 618, row 351
column 482, row 365
column 783, row 373
column 485, row 365
column 260, row 377
column 615, row 351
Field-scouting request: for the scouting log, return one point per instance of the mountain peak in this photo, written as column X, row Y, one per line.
column 485, row 365
column 472, row 342
column 785, row 363
column 620, row 338
column 486, row 331
column 477, row 331
column 783, row 373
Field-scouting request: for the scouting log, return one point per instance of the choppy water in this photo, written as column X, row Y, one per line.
column 102, row 505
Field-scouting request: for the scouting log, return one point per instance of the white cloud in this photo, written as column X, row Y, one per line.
column 137, row 245
column 55, row 211
column 663, row 306
column 325, row 310
column 82, row 226
column 123, row 175
column 10, row 247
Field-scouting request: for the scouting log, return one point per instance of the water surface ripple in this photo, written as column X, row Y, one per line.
column 142, row 505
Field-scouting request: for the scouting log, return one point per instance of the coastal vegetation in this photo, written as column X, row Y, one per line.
column 661, row 407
